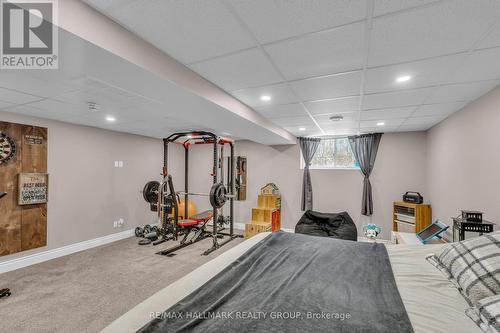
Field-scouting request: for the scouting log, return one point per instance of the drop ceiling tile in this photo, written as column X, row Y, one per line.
column 279, row 93
column 437, row 110
column 338, row 105
column 424, row 120
column 107, row 99
column 309, row 131
column 11, row 96
column 445, row 28
column 241, row 70
column 28, row 110
column 479, row 65
column 330, row 86
column 329, row 52
column 395, row 99
column 94, row 121
column 275, row 20
column 57, row 107
column 378, row 129
column 341, row 132
column 387, row 113
column 414, row 128
column 27, row 83
column 389, row 6
column 304, row 121
column 324, row 119
column 342, row 125
column 423, row 73
column 187, row 30
column 284, row 110
column 5, row 104
column 492, row 39
column 107, row 4
column 395, row 122
column 462, row 91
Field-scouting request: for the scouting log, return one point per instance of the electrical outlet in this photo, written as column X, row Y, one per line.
column 121, row 222
column 115, row 224
column 120, row 164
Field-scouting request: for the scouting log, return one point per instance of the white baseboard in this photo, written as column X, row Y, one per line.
column 39, row 257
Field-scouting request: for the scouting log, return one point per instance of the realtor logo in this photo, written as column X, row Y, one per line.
column 29, row 34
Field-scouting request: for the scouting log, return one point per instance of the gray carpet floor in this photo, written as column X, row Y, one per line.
column 86, row 291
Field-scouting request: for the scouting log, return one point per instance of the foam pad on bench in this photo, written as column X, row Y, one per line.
column 187, row 223
column 203, row 216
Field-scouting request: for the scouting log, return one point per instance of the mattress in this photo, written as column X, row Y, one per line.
column 431, row 301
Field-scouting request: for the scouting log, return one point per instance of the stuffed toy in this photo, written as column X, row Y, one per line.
column 371, row 230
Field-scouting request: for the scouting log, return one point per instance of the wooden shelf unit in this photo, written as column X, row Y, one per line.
column 410, row 217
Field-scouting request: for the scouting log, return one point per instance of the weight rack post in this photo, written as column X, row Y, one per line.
column 231, row 184
column 186, row 181
column 215, row 178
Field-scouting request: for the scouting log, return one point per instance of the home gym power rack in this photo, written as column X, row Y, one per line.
column 218, row 194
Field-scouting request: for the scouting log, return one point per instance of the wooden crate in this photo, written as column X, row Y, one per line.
column 265, row 215
column 269, row 201
column 255, row 227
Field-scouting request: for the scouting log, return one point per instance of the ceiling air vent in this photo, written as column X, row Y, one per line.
column 93, row 107
column 337, row 118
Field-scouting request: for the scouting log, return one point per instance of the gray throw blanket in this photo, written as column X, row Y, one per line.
column 295, row 283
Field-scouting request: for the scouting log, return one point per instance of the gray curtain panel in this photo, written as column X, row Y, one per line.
column 365, row 149
column 308, row 148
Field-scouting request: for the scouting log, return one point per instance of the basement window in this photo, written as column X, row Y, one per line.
column 333, row 153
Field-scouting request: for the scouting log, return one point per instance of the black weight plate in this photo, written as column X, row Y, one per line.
column 138, row 232
column 150, row 191
column 144, row 242
column 218, row 195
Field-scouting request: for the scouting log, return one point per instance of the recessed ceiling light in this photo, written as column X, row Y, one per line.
column 265, row 98
column 381, row 123
column 110, row 119
column 403, row 78
column 302, row 128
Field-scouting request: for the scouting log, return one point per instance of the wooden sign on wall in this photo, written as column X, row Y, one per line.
column 23, row 150
column 33, row 188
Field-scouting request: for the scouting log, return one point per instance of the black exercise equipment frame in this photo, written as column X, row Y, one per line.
column 186, row 139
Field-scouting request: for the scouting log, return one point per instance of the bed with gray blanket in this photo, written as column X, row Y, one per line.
column 296, row 283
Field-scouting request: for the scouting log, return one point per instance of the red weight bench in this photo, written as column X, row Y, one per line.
column 202, row 217
column 195, row 223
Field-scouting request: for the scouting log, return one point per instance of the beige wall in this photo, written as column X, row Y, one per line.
column 463, row 160
column 87, row 193
column 400, row 167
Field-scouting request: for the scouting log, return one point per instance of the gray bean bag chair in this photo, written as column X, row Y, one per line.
column 334, row 225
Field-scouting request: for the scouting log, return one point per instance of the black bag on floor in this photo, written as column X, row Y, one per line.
column 335, row 225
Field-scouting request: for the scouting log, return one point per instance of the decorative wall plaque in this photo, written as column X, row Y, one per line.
column 33, row 188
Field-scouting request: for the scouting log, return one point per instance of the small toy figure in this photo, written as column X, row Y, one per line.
column 371, row 230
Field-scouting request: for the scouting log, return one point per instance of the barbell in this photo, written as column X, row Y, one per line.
column 218, row 194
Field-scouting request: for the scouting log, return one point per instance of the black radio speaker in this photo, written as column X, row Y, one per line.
column 413, row 197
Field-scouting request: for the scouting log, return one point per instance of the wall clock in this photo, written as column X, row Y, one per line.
column 7, row 148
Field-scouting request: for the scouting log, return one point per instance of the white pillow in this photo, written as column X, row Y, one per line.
column 472, row 265
column 486, row 314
